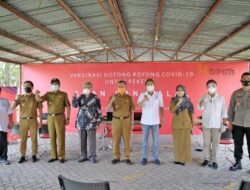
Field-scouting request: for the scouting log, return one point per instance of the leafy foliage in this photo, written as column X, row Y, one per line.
column 9, row 74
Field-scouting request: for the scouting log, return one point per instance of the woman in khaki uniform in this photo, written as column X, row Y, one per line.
column 182, row 123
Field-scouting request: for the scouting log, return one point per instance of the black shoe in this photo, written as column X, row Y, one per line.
column 180, row 163
column 115, row 161
column 128, row 161
column 205, row 163
column 52, row 159
column 157, row 162
column 236, row 166
column 215, row 165
column 144, row 161
column 21, row 160
column 93, row 160
column 62, row 160
column 34, row 158
column 82, row 159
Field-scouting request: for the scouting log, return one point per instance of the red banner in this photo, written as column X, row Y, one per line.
column 167, row 76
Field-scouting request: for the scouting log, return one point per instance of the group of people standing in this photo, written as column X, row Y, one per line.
column 89, row 117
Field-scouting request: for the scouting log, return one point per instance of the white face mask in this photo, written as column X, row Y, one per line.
column 212, row 90
column 54, row 87
column 150, row 88
column 86, row 91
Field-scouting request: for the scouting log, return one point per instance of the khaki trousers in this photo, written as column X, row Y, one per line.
column 121, row 128
column 56, row 126
column 25, row 126
column 211, row 138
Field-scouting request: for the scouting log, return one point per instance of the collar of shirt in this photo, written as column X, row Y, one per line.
column 119, row 95
column 150, row 94
column 155, row 94
column 28, row 94
column 55, row 92
column 215, row 95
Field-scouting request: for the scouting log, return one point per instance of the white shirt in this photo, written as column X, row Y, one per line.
column 151, row 108
column 4, row 112
column 214, row 110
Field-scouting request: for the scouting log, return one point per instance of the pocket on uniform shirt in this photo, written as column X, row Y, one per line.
column 248, row 101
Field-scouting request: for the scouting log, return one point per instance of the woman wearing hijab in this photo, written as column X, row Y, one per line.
column 182, row 123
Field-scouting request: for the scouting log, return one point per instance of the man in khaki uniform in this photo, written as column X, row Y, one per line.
column 28, row 119
column 122, row 105
column 57, row 101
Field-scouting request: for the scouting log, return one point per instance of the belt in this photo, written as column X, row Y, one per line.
column 121, row 118
column 55, row 114
column 27, row 117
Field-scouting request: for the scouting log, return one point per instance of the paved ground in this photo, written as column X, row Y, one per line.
column 43, row 175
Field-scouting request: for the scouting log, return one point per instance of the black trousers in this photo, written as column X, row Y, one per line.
column 3, row 145
column 238, row 136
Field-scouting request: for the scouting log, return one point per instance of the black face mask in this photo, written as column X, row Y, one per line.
column 245, row 82
column 27, row 89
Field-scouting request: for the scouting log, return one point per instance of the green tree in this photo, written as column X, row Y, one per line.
column 9, row 74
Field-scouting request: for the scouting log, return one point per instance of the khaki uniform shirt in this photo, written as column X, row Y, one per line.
column 239, row 108
column 123, row 105
column 28, row 105
column 56, row 101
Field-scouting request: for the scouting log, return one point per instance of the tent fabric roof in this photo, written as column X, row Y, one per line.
column 37, row 31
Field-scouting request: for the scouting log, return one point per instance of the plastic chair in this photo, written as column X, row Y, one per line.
column 245, row 185
column 44, row 131
column 136, row 126
column 68, row 184
column 15, row 133
column 106, row 133
column 226, row 140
